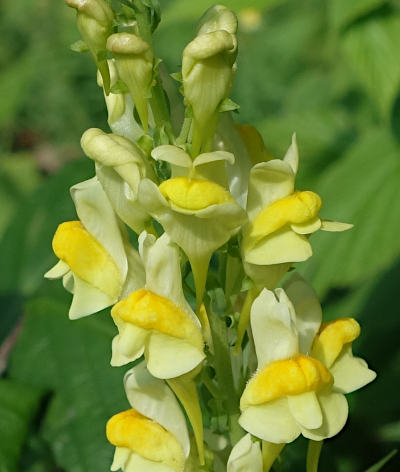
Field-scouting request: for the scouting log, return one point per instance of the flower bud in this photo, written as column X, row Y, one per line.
column 218, row 17
column 120, row 108
column 134, row 60
column 207, row 73
column 94, row 19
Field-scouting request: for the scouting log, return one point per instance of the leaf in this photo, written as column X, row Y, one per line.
column 71, row 358
column 361, row 188
column 372, row 47
column 343, row 12
column 26, row 244
column 379, row 465
column 18, row 405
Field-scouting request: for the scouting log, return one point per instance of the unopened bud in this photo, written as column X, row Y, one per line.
column 207, row 72
column 95, row 19
column 134, row 60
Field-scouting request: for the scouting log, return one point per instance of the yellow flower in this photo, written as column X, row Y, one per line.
column 197, row 212
column 96, row 262
column 303, row 370
column 120, row 166
column 281, row 220
column 152, row 435
column 156, row 320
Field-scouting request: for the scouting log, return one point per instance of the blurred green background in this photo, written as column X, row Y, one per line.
column 327, row 69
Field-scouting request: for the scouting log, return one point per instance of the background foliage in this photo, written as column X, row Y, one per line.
column 328, row 70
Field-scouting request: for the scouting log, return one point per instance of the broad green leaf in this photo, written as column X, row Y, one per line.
column 379, row 465
column 71, row 359
column 372, row 49
column 343, row 12
column 361, row 188
column 18, row 405
column 26, row 244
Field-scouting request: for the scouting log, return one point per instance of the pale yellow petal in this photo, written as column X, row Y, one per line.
column 306, row 410
column 350, row 373
column 87, row 299
column 245, row 456
column 334, row 412
column 307, row 307
column 282, row 246
column 274, row 333
column 271, row 422
column 169, row 357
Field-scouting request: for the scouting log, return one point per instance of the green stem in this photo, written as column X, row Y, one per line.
column 313, row 453
column 245, row 317
column 270, row 452
column 223, row 369
column 183, row 135
column 158, row 103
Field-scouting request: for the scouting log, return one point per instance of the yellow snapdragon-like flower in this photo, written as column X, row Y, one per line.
column 96, row 262
column 156, row 320
column 281, row 220
column 303, row 369
column 152, row 435
column 194, row 208
column 120, row 167
column 245, row 456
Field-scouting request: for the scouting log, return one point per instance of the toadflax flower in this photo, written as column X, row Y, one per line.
column 304, row 368
column 245, row 456
column 152, row 436
column 96, row 262
column 198, row 214
column 120, row 166
column 281, row 220
column 156, row 320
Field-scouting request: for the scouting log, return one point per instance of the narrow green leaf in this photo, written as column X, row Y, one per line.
column 343, row 12
column 379, row 465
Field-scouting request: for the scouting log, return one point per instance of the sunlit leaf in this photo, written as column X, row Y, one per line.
column 71, row 359
column 361, row 188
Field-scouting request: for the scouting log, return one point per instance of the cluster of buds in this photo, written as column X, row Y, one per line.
column 183, row 216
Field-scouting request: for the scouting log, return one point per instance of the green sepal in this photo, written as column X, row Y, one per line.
column 228, row 105
column 119, row 87
column 79, row 46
